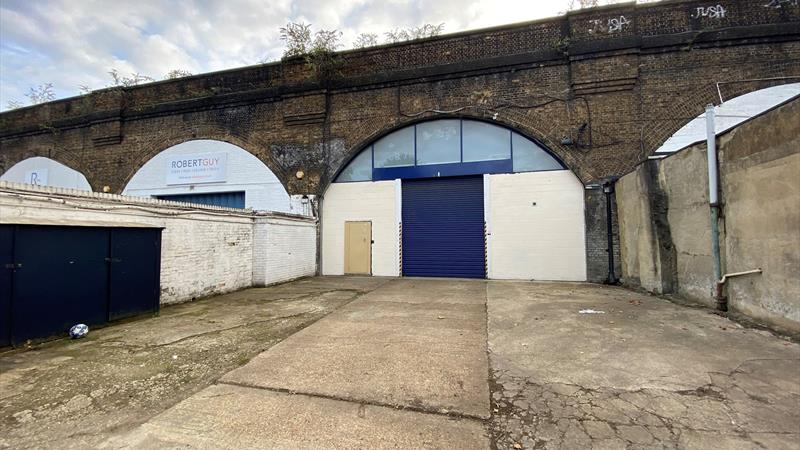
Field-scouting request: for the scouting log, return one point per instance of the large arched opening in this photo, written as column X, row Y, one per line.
column 210, row 172
column 729, row 114
column 41, row 171
column 455, row 198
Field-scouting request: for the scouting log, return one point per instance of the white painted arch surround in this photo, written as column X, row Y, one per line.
column 535, row 225
column 263, row 191
column 58, row 175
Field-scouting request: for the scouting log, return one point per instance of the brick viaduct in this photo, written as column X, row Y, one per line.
column 602, row 88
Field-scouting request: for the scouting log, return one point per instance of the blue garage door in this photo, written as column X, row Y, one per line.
column 54, row 277
column 135, row 277
column 62, row 280
column 6, row 271
column 443, row 228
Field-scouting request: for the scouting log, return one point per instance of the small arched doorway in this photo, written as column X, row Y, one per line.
column 455, row 198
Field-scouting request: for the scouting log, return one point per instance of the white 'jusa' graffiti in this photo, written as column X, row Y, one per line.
column 712, row 12
column 613, row 25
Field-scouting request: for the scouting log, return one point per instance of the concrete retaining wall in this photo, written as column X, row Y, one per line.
column 205, row 250
column 664, row 220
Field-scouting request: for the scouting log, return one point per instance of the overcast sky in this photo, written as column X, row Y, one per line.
column 76, row 42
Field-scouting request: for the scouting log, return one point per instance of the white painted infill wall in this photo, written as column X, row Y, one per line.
column 243, row 172
column 58, row 175
column 204, row 251
column 526, row 242
column 362, row 201
column 536, row 225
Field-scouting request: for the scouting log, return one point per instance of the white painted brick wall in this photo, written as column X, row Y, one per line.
column 283, row 249
column 205, row 257
column 204, row 250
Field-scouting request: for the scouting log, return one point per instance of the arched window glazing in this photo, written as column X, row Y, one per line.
column 448, row 147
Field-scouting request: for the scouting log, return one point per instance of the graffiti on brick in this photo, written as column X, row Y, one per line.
column 778, row 4
column 612, row 25
column 711, row 12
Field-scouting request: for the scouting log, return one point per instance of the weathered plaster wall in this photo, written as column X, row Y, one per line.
column 665, row 229
column 684, row 179
column 760, row 176
column 638, row 244
column 665, row 219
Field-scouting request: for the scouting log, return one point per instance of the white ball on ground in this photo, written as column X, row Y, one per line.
column 78, row 331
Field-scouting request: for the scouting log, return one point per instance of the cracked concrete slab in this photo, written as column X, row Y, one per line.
column 225, row 416
column 646, row 374
column 75, row 394
column 402, row 363
column 417, row 344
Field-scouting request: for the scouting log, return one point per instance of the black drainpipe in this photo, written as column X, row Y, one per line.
column 608, row 189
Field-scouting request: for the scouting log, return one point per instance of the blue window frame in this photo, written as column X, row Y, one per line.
column 530, row 157
column 395, row 149
column 438, row 142
column 445, row 148
column 483, row 141
column 359, row 169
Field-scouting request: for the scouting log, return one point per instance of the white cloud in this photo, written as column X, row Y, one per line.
column 71, row 43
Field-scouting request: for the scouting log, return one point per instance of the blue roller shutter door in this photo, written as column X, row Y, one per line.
column 443, row 228
column 226, row 199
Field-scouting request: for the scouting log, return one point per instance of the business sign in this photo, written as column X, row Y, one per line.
column 196, row 169
column 37, row 177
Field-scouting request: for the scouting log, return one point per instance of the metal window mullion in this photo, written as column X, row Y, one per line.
column 461, row 138
column 511, row 146
column 415, row 145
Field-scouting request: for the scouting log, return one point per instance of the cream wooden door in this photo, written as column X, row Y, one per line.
column 358, row 248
